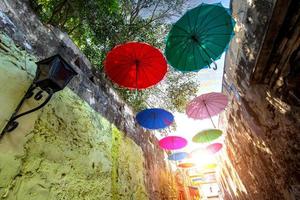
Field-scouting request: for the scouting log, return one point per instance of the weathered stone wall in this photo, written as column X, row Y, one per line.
column 66, row 151
column 262, row 123
column 18, row 21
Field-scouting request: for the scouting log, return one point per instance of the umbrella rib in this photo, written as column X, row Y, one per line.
column 200, row 54
column 200, row 25
column 211, row 51
column 216, row 17
column 218, row 101
column 136, row 69
column 216, row 43
column 113, row 76
column 217, row 106
column 154, row 118
column 199, row 110
column 142, row 52
column 185, row 60
column 206, row 53
column 195, row 63
column 189, row 21
column 180, row 58
column 183, row 42
column 145, row 74
column 175, row 25
column 191, row 111
column 174, row 36
column 211, row 28
column 222, row 34
column 217, row 26
column 220, row 108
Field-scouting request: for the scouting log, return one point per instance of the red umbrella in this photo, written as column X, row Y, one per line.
column 135, row 65
column 206, row 105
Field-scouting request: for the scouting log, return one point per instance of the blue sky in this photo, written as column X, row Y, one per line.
column 194, row 3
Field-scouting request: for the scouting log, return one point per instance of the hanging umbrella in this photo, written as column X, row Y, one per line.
column 186, row 165
column 154, row 118
column 199, row 175
column 210, row 166
column 178, row 156
column 214, row 148
column 135, row 65
column 207, row 135
column 199, row 37
column 206, row 106
column 172, row 142
column 198, row 181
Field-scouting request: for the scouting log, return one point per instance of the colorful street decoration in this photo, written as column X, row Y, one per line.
column 154, row 118
column 186, row 165
column 135, row 65
column 172, row 142
column 206, row 106
column 207, row 136
column 214, row 148
column 199, row 37
column 178, row 156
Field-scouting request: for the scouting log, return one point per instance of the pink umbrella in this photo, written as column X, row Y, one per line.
column 206, row 106
column 214, row 148
column 172, row 142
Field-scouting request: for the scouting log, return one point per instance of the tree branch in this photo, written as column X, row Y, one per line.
column 153, row 12
column 56, row 10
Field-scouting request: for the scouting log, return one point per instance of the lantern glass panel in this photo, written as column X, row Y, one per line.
column 54, row 73
column 62, row 75
column 43, row 72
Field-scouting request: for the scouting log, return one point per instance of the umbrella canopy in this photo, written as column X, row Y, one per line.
column 172, row 142
column 178, row 156
column 186, row 165
column 199, row 37
column 154, row 118
column 207, row 135
column 214, row 148
column 198, row 179
column 210, row 166
column 135, row 65
column 200, row 175
column 206, row 105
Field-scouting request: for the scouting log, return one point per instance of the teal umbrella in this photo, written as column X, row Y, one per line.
column 199, row 37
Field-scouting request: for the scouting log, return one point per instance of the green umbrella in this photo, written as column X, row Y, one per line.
column 207, row 135
column 199, row 37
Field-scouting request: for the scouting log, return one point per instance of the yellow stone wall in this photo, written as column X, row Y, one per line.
column 66, row 150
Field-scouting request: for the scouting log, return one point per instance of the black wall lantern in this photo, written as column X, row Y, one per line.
column 52, row 75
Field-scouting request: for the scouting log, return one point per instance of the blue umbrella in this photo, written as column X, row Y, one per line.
column 154, row 118
column 178, row 156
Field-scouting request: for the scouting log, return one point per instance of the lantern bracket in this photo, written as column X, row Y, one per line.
column 12, row 123
column 52, row 75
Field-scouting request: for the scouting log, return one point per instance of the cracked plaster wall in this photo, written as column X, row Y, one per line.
column 65, row 151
